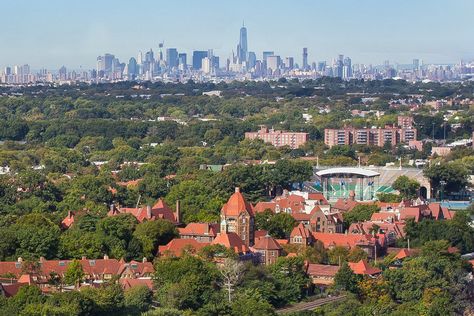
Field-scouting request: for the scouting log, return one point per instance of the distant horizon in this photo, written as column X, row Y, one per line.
column 57, row 33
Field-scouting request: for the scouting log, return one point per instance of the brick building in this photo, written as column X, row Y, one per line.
column 279, row 138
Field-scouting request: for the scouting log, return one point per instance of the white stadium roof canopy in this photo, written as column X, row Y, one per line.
column 348, row 170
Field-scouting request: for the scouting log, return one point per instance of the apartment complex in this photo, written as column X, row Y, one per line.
column 279, row 138
column 392, row 135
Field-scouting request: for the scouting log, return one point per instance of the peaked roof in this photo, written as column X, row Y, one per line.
column 266, row 243
column 158, row 211
column 362, row 267
column 199, row 229
column 68, row 220
column 322, row 270
column 317, row 196
column 301, row 230
column 231, row 241
column 236, row 205
column 129, row 283
column 345, row 204
column 334, row 239
column 262, row 206
column 404, row 253
column 177, row 245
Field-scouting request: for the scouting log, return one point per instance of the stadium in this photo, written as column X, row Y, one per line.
column 366, row 183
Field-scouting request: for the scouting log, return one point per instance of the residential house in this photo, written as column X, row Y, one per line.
column 201, row 232
column 268, row 249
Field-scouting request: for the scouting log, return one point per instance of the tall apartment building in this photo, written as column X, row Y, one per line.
column 279, row 138
column 372, row 136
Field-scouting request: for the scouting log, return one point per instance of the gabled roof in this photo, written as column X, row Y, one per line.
column 301, row 217
column 129, row 283
column 383, row 217
column 231, row 241
column 411, row 212
column 199, row 229
column 318, row 197
column 345, row 205
column 260, row 233
column 404, row 253
column 236, row 205
column 322, row 270
column 301, row 230
column 362, row 267
column 158, row 211
column 68, row 220
column 349, row 241
column 262, row 206
column 10, row 290
column 177, row 245
column 266, row 243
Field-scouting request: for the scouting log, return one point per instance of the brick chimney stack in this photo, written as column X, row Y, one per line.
column 177, row 211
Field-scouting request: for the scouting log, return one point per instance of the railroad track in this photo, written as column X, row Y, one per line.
column 310, row 305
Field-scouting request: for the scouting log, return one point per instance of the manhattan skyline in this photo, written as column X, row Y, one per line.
column 55, row 33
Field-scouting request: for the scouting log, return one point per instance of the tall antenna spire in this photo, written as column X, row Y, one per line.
column 243, row 23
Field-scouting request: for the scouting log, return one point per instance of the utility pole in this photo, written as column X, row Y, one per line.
column 433, row 124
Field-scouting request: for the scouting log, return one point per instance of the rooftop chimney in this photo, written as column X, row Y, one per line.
column 112, row 207
column 237, row 189
column 177, row 211
column 41, row 260
column 106, row 257
column 20, row 259
column 148, row 211
column 144, row 260
column 84, row 258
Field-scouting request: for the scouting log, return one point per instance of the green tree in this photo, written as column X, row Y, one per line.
column 454, row 174
column 360, row 213
column 153, row 233
column 138, row 299
column 74, row 273
column 407, row 187
column 345, row 279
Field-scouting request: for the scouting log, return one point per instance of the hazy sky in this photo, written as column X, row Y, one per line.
column 51, row 33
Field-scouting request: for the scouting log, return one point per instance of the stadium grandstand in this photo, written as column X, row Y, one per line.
column 338, row 182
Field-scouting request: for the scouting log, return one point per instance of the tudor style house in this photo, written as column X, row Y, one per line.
column 237, row 216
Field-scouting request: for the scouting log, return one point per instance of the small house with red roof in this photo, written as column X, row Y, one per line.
column 363, row 268
column 322, row 275
column 301, row 235
column 268, row 249
column 368, row 243
column 321, row 221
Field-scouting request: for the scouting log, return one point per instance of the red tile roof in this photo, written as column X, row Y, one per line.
column 199, row 229
column 231, row 241
column 260, row 233
column 383, row 217
column 301, row 230
column 177, row 245
column 236, row 205
column 404, row 253
column 262, row 206
column 266, row 243
column 318, row 197
column 68, row 220
column 158, row 211
column 322, row 270
column 411, row 212
column 345, row 205
column 301, row 217
column 349, row 241
column 362, row 267
column 11, row 289
column 129, row 283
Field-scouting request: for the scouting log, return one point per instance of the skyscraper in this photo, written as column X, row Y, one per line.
column 172, row 57
column 182, row 61
column 305, row 58
column 251, row 60
column 242, row 49
column 347, row 68
column 132, row 68
column 198, row 56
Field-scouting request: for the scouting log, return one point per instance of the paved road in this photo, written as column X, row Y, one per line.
column 310, row 305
